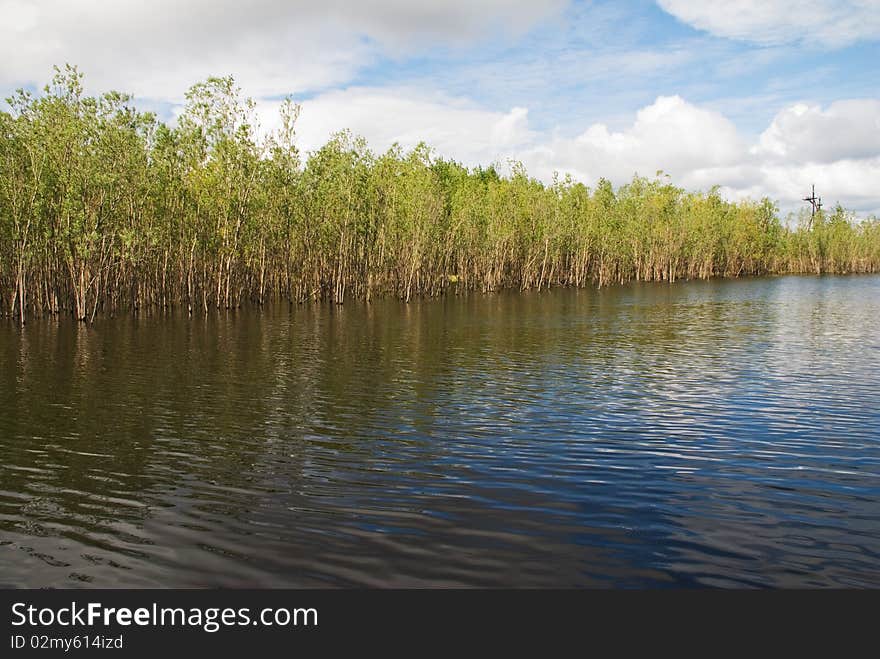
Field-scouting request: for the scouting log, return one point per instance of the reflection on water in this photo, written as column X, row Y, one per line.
column 712, row 433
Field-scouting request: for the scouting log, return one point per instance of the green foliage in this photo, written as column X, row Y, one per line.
column 104, row 209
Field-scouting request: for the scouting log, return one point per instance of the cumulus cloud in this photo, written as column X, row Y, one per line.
column 699, row 148
column 314, row 50
column 837, row 148
column 850, row 181
column 807, row 133
column 833, row 23
column 669, row 134
column 157, row 49
column 454, row 127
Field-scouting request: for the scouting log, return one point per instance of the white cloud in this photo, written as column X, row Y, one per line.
column 837, row 148
column 697, row 147
column 157, row 49
column 807, row 133
column 454, row 127
column 670, row 134
column 832, row 23
column 850, row 181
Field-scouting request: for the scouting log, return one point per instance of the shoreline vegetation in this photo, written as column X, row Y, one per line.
column 104, row 209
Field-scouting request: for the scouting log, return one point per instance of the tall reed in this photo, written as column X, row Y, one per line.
column 105, row 209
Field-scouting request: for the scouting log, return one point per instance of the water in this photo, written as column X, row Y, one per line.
column 711, row 434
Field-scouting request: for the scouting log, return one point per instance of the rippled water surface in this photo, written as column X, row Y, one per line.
column 712, row 433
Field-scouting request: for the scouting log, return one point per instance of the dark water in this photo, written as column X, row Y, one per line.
column 718, row 434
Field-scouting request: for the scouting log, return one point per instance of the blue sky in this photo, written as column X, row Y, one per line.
column 761, row 97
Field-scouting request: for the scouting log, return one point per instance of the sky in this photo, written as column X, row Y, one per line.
column 759, row 97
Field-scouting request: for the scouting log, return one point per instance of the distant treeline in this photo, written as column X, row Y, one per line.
column 103, row 209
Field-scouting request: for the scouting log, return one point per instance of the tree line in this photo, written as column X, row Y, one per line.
column 105, row 209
